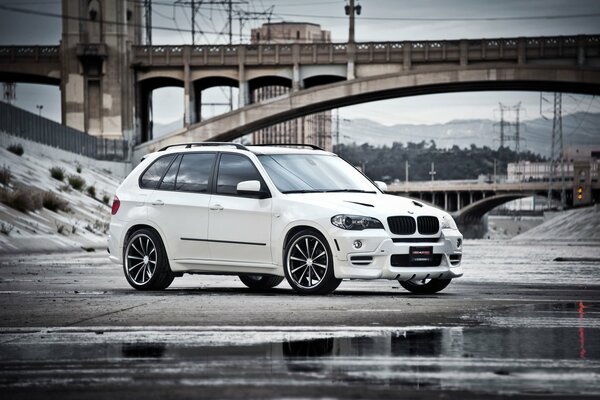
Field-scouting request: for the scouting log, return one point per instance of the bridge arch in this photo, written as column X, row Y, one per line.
column 145, row 88
column 318, row 80
column 226, row 127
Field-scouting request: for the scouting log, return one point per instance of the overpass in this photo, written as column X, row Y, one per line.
column 469, row 201
column 103, row 96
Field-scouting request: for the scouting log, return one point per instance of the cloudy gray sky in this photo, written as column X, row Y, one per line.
column 380, row 20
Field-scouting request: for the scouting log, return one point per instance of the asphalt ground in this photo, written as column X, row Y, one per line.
column 519, row 324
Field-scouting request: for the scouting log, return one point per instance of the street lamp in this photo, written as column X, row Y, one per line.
column 351, row 9
column 39, row 107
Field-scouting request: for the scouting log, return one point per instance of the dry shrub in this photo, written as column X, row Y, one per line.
column 23, row 199
column 57, row 173
column 76, row 182
column 53, row 202
column 16, row 149
column 5, row 175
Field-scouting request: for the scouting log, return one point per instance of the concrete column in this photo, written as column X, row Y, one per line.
column 188, row 90
column 464, row 52
column 521, row 48
column 351, row 54
column 580, row 51
column 243, row 88
column 446, row 201
column 470, row 197
column 296, row 82
column 406, row 48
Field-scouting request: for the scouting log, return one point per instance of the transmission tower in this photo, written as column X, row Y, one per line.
column 9, row 93
column 557, row 162
column 516, row 137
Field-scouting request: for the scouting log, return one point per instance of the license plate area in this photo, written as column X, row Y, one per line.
column 421, row 255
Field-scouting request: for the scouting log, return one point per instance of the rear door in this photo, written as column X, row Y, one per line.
column 179, row 206
column 239, row 226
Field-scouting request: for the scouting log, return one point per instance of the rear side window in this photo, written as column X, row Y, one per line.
column 234, row 169
column 168, row 182
column 151, row 177
column 194, row 172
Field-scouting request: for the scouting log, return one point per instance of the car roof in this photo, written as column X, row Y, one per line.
column 235, row 148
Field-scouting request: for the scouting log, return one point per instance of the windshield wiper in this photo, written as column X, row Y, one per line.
column 349, row 191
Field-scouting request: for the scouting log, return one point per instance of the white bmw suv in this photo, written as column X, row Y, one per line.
column 268, row 212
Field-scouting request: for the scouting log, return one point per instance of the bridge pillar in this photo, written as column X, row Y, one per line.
column 296, row 81
column 580, row 50
column 97, row 82
column 446, row 201
column 189, row 98
column 244, row 97
column 521, row 48
column 464, row 53
column 406, row 55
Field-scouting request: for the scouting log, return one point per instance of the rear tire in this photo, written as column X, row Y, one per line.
column 261, row 281
column 308, row 264
column 426, row 286
column 145, row 261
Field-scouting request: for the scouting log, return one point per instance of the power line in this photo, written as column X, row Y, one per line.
column 118, row 23
column 446, row 19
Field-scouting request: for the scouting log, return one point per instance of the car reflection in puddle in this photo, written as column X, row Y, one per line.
column 539, row 349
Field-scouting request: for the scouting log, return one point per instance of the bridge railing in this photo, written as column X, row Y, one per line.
column 413, row 52
column 33, row 53
column 21, row 123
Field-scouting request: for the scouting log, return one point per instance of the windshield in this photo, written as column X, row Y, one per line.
column 307, row 173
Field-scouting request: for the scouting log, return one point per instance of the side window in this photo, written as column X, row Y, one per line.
column 234, row 169
column 194, row 172
column 168, row 182
column 151, row 177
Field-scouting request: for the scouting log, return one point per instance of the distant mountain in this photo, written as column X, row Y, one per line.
column 579, row 128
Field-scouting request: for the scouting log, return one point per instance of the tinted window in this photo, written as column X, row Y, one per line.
column 168, row 182
column 234, row 169
column 152, row 176
column 194, row 172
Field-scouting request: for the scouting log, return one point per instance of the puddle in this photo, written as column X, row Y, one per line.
column 484, row 359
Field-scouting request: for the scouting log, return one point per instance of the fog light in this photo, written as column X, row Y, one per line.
column 458, row 243
column 357, row 244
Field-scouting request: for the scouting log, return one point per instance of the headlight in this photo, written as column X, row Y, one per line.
column 448, row 222
column 355, row 222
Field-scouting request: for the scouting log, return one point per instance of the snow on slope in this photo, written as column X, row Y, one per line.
column 83, row 227
column 577, row 224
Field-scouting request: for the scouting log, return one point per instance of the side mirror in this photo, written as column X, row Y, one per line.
column 381, row 185
column 250, row 188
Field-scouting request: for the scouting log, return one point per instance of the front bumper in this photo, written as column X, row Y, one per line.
column 374, row 259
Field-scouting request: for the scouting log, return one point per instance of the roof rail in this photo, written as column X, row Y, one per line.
column 207, row 144
column 312, row 146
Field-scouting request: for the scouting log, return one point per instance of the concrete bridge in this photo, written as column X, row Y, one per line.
column 102, row 98
column 469, row 201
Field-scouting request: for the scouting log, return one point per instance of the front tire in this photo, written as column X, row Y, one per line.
column 308, row 264
column 260, row 281
column 426, row 286
column 145, row 263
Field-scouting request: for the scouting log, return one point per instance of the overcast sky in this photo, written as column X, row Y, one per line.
column 380, row 20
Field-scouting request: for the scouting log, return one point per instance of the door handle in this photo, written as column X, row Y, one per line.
column 216, row 207
column 158, row 203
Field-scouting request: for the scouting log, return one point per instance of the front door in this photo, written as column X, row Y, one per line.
column 239, row 226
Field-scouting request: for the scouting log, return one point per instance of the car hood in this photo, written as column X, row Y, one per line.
column 368, row 204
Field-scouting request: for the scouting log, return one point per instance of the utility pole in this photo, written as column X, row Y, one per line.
column 557, row 157
column 406, row 171
column 432, row 172
column 350, row 9
column 193, row 23
column 501, row 125
column 148, row 18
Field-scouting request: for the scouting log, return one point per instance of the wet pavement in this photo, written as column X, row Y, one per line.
column 71, row 328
